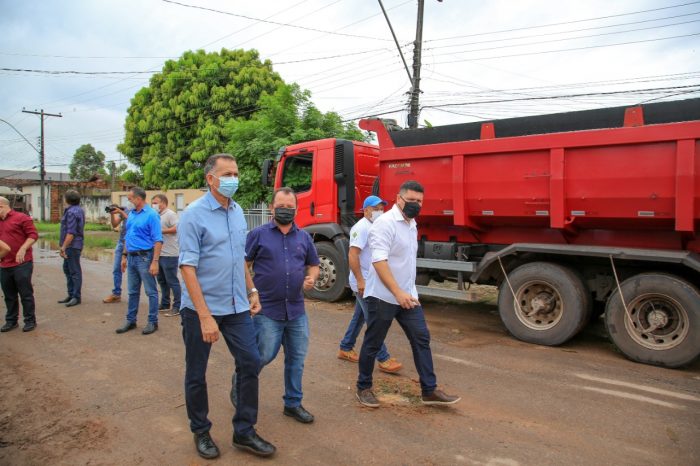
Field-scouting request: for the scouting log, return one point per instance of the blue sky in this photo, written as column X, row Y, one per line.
column 499, row 52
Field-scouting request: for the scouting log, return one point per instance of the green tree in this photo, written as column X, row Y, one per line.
column 286, row 117
column 86, row 163
column 115, row 171
column 176, row 122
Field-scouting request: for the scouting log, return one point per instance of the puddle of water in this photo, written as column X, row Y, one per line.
column 47, row 249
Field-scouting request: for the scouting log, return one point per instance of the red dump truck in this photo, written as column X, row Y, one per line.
column 569, row 214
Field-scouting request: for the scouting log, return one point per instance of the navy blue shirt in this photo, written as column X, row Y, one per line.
column 279, row 263
column 73, row 222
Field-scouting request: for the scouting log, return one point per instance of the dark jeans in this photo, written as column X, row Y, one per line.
column 73, row 272
column 167, row 279
column 359, row 317
column 381, row 314
column 239, row 334
column 137, row 268
column 15, row 281
column 117, row 269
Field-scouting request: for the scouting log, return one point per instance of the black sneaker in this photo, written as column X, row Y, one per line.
column 7, row 327
column 126, row 327
column 150, row 328
column 206, row 448
column 366, row 397
column 438, row 397
column 28, row 327
column 254, row 444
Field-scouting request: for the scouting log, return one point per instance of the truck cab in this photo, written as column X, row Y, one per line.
column 331, row 177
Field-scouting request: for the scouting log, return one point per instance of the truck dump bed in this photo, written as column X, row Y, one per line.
column 626, row 177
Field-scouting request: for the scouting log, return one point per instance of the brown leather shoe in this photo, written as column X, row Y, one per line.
column 390, row 366
column 351, row 355
column 438, row 397
column 112, row 299
column 366, row 397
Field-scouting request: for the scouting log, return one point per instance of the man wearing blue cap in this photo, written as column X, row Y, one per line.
column 360, row 259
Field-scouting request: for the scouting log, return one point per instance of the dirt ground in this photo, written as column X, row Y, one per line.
column 74, row 392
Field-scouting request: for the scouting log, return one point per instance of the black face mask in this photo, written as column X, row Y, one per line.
column 411, row 209
column 284, row 215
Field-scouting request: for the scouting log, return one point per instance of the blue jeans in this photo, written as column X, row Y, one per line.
column 238, row 332
column 167, row 279
column 73, row 272
column 294, row 336
column 137, row 272
column 381, row 314
column 117, row 269
column 359, row 317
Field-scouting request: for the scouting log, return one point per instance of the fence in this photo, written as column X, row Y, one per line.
column 257, row 215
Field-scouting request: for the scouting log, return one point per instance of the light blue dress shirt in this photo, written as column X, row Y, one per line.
column 212, row 240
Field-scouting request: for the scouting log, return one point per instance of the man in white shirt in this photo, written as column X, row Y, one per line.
column 167, row 272
column 391, row 293
column 360, row 260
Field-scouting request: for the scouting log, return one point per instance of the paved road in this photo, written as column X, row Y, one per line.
column 74, row 392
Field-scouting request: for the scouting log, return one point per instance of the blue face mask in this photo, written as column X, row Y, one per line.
column 228, row 185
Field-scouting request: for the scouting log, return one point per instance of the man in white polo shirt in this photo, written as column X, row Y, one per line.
column 390, row 292
column 360, row 260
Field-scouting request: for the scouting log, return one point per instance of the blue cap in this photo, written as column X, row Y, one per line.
column 372, row 201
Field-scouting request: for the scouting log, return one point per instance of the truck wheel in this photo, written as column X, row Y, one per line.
column 554, row 303
column 422, row 278
column 333, row 277
column 663, row 327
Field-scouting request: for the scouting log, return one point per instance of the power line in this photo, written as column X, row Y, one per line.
column 306, row 28
column 572, row 31
column 568, row 50
column 564, row 22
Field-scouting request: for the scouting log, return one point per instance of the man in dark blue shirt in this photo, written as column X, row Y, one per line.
column 71, row 240
column 280, row 254
column 142, row 244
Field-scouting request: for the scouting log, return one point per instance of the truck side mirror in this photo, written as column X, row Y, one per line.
column 267, row 172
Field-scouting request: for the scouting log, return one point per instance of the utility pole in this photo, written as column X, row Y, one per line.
column 415, row 85
column 42, row 171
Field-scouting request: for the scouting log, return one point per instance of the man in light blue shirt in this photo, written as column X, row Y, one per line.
column 142, row 244
column 219, row 296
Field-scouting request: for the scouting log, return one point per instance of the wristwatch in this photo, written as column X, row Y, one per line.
column 252, row 291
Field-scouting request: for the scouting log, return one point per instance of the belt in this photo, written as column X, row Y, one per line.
column 143, row 252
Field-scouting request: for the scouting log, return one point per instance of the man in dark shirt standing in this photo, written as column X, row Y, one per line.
column 17, row 230
column 71, row 240
column 280, row 254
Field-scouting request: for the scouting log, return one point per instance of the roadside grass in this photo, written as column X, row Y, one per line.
column 89, row 241
column 46, row 227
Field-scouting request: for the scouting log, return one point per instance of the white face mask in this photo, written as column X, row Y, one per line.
column 376, row 214
column 156, row 207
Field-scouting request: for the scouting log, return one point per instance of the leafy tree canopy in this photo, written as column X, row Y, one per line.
column 86, row 163
column 176, row 122
column 285, row 117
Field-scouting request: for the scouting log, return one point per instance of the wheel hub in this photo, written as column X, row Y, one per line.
column 543, row 303
column 327, row 273
column 538, row 305
column 657, row 321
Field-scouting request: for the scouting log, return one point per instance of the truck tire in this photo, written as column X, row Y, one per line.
column 333, row 277
column 663, row 327
column 554, row 303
